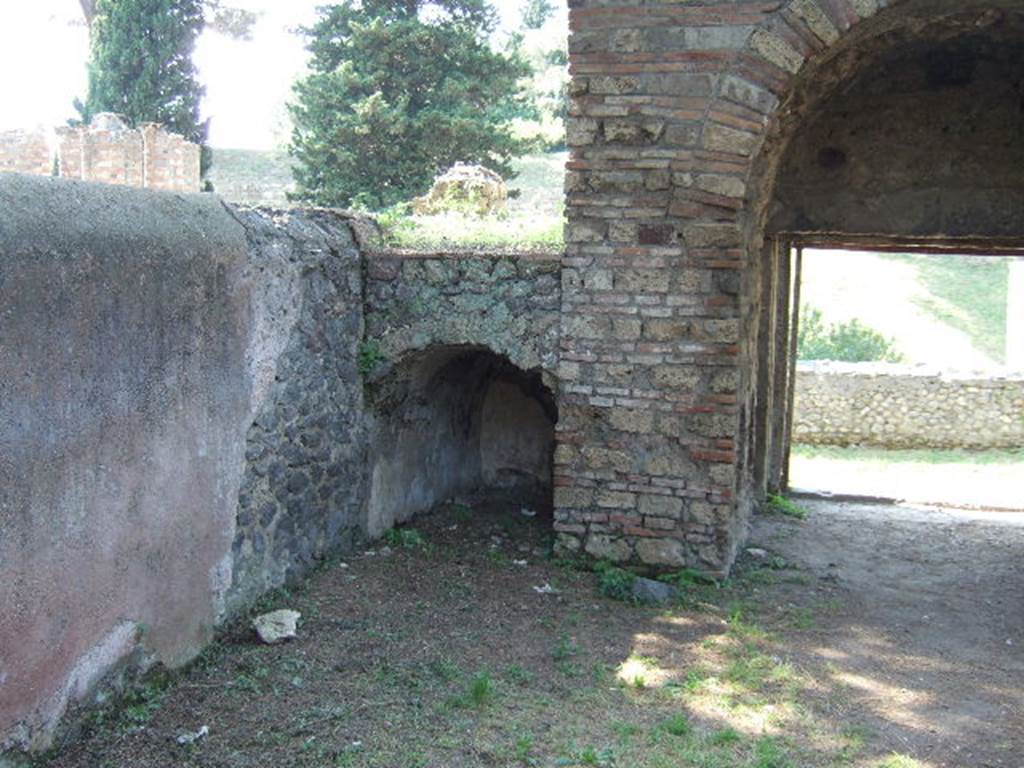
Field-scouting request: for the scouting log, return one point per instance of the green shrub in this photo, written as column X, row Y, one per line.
column 851, row 342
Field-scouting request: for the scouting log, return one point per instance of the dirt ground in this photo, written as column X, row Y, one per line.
column 864, row 636
column 931, row 637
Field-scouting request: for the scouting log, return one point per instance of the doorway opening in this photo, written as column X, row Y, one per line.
column 906, row 379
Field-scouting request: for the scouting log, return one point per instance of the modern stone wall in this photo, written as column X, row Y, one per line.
column 887, row 405
column 107, row 151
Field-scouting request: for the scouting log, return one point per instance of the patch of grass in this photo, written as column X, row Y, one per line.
column 783, row 506
column 920, row 456
column 966, row 293
column 725, row 737
column 770, row 752
column 519, row 675
column 404, row 538
column 900, row 761
column 614, row 582
column 677, row 725
column 589, row 756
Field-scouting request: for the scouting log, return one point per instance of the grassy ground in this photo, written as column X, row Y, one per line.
column 992, row 478
column 965, row 293
column 534, row 218
column 441, row 652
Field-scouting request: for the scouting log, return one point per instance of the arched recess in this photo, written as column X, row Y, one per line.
column 454, row 419
column 905, row 132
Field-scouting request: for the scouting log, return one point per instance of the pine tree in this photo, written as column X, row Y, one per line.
column 401, row 90
column 141, row 65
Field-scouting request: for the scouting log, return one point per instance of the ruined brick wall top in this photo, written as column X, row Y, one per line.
column 108, row 151
column 25, row 152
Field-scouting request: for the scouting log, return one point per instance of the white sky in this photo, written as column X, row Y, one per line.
column 247, row 83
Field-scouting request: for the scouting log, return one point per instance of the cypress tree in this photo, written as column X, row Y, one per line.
column 141, row 66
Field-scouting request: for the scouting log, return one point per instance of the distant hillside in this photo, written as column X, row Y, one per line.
column 252, row 177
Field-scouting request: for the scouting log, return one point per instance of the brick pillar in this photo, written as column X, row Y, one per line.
column 670, row 105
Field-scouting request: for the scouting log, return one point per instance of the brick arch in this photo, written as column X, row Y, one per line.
column 679, row 114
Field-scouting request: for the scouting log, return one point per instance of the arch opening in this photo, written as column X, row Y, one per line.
column 905, row 136
column 452, row 421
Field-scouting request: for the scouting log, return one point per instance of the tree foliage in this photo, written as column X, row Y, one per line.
column 851, row 342
column 400, row 90
column 536, row 13
column 227, row 19
column 141, row 66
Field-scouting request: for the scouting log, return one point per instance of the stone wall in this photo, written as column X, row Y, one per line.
column 203, row 401
column 179, row 382
column 459, row 354
column 107, row 151
column 25, row 152
column 887, row 405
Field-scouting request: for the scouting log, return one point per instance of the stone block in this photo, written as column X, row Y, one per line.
column 606, row 547
column 661, row 552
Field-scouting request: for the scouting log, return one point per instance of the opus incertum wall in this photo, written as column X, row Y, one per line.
column 705, row 136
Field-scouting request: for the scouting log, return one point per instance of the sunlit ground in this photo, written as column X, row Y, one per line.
column 976, row 478
column 440, row 651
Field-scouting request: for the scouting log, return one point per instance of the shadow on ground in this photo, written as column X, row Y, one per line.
column 863, row 637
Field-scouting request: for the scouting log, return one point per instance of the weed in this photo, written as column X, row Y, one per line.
column 445, row 669
column 677, row 725
column 604, row 758
column 769, row 752
column 462, row 513
column 523, row 747
column 565, row 648
column 369, row 357
column 404, row 538
column 614, row 582
column 518, row 675
column 783, row 506
column 626, row 731
column 725, row 737
column 481, row 689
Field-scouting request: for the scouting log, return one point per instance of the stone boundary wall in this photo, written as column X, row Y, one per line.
column 107, row 151
column 888, row 405
column 25, row 152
